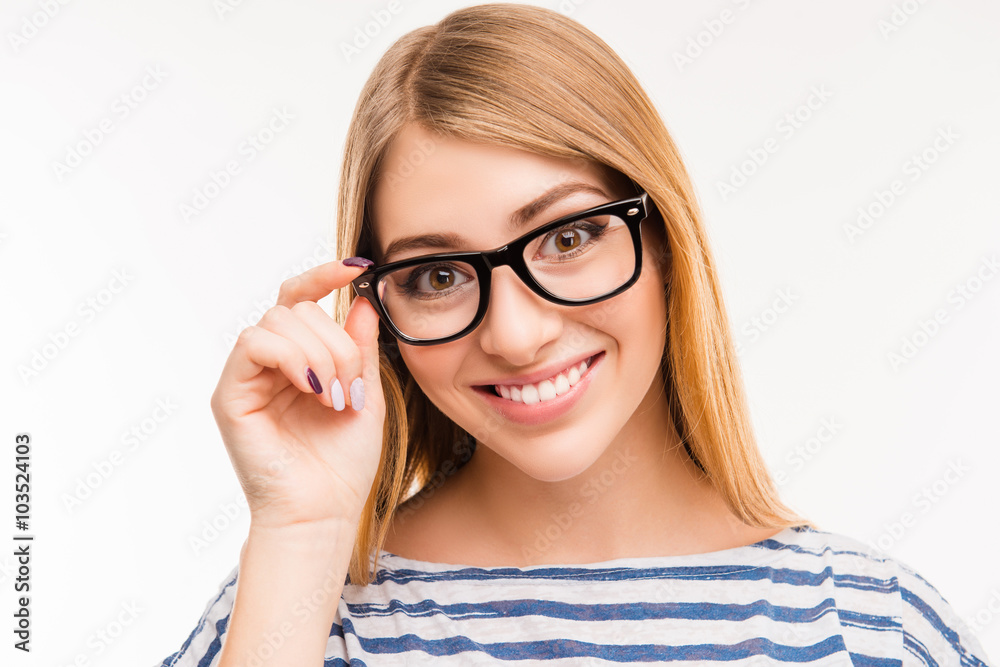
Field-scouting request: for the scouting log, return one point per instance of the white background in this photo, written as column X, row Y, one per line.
column 187, row 287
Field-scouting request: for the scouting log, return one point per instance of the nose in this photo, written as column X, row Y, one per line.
column 518, row 322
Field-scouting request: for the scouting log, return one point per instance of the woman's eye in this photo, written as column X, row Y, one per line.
column 439, row 279
column 565, row 240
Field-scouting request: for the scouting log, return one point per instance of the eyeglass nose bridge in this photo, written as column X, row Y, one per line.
column 510, row 255
column 503, row 256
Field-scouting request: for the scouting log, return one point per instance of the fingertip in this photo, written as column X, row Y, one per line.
column 362, row 324
column 358, row 262
column 361, row 307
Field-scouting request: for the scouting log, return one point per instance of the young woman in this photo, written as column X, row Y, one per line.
column 541, row 351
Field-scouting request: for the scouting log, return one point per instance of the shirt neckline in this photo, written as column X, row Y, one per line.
column 756, row 553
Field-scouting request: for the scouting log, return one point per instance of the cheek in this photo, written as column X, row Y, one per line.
column 434, row 367
column 638, row 314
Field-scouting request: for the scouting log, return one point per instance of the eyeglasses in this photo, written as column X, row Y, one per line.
column 576, row 260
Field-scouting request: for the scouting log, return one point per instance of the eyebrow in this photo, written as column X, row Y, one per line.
column 517, row 219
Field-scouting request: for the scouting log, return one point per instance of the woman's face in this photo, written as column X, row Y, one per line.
column 433, row 185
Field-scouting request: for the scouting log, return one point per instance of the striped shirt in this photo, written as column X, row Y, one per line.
column 802, row 596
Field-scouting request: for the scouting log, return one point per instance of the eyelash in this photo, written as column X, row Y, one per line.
column 408, row 289
column 595, row 231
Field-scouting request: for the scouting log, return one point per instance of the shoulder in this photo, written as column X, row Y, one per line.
column 933, row 632
column 886, row 592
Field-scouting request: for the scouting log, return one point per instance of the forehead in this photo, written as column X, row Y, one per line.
column 432, row 183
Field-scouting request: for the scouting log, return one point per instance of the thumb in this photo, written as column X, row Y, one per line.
column 361, row 324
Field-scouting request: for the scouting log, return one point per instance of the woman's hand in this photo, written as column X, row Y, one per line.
column 298, row 457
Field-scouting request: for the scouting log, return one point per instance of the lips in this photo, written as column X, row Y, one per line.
column 540, row 411
column 542, row 373
column 530, row 393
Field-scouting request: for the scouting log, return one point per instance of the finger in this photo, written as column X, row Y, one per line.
column 317, row 282
column 361, row 324
column 342, row 348
column 287, row 324
column 257, row 348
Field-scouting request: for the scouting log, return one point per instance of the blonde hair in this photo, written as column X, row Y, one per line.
column 534, row 79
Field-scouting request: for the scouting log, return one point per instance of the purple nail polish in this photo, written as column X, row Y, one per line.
column 358, row 261
column 313, row 381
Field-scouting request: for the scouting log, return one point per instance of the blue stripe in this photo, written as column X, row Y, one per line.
column 861, row 660
column 940, row 626
column 569, row 648
column 868, row 621
column 776, row 545
column 216, row 645
column 499, row 609
column 171, row 660
column 917, row 649
column 790, row 576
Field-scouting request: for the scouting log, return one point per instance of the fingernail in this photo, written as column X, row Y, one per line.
column 313, row 381
column 358, row 261
column 358, row 394
column 337, row 395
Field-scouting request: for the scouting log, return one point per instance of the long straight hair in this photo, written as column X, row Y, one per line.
column 533, row 79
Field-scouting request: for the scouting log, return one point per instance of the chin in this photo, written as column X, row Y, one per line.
column 551, row 457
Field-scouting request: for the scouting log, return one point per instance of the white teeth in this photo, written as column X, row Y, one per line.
column 545, row 390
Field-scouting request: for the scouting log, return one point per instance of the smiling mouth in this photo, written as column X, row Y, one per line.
column 544, row 390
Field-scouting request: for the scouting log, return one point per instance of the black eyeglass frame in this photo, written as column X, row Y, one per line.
column 633, row 211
